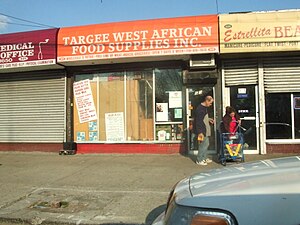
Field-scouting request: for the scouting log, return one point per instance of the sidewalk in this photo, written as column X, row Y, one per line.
column 46, row 188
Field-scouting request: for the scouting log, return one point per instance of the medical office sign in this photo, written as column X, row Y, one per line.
column 25, row 49
column 260, row 32
column 176, row 36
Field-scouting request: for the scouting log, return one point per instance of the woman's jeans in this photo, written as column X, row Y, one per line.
column 202, row 149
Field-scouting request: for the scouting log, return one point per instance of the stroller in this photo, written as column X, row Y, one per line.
column 232, row 146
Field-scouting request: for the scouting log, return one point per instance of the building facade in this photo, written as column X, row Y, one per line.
column 33, row 92
column 132, row 87
column 261, row 77
column 129, row 86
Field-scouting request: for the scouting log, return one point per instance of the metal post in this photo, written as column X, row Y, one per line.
column 261, row 111
column 69, row 145
column 154, row 106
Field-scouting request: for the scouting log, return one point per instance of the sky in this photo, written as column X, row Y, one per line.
column 44, row 14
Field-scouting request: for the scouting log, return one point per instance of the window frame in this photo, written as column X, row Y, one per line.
column 293, row 138
column 126, row 72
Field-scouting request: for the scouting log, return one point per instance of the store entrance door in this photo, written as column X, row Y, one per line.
column 245, row 100
column 194, row 96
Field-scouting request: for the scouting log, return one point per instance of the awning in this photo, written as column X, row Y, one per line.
column 26, row 51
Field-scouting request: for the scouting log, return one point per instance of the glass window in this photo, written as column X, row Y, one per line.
column 278, row 116
column 82, row 132
column 168, row 104
column 139, row 105
column 296, row 106
column 110, row 100
column 108, row 95
column 168, row 89
column 124, row 103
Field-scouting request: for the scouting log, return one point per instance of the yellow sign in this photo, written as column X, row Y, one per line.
column 260, row 32
column 233, row 149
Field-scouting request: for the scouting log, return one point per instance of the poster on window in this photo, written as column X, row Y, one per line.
column 162, row 112
column 114, row 126
column 175, row 99
column 297, row 102
column 93, row 126
column 177, row 113
column 93, row 136
column 80, row 136
column 84, row 101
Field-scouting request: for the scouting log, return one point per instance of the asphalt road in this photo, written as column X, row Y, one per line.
column 90, row 189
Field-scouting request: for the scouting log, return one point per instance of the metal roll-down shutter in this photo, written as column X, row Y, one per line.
column 32, row 107
column 282, row 74
column 240, row 72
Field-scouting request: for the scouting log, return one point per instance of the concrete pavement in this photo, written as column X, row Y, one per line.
column 46, row 188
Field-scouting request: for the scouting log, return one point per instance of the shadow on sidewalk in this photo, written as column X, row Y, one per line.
column 155, row 213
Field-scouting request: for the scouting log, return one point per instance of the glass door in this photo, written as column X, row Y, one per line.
column 244, row 99
column 194, row 97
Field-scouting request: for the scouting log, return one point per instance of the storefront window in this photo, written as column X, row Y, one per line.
column 139, row 106
column 296, row 105
column 111, row 103
column 124, row 104
column 108, row 95
column 279, row 122
column 168, row 104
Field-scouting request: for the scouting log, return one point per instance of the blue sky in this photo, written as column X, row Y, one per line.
column 63, row 13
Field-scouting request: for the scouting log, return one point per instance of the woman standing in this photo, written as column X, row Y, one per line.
column 230, row 120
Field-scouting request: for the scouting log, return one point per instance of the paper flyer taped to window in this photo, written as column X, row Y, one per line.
column 175, row 99
column 296, row 102
column 84, row 101
column 162, row 112
column 178, row 113
column 80, row 136
column 114, row 126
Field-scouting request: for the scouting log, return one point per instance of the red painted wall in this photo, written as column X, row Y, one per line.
column 131, row 148
column 128, row 148
column 123, row 148
column 31, row 147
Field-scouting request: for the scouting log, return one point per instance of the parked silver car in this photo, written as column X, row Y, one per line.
column 258, row 193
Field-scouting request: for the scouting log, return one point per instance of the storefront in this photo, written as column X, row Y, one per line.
column 136, row 83
column 260, row 55
column 32, row 92
column 132, row 87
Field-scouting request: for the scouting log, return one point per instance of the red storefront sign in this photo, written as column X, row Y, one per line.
column 175, row 36
column 26, row 49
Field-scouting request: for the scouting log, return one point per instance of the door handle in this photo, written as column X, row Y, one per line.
column 249, row 118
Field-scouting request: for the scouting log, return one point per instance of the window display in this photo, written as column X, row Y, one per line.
column 126, row 109
column 139, row 106
column 168, row 104
column 168, row 89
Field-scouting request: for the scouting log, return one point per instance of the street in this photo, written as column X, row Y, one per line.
column 42, row 188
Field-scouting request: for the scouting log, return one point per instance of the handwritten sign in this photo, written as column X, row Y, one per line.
column 84, row 101
column 114, row 125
